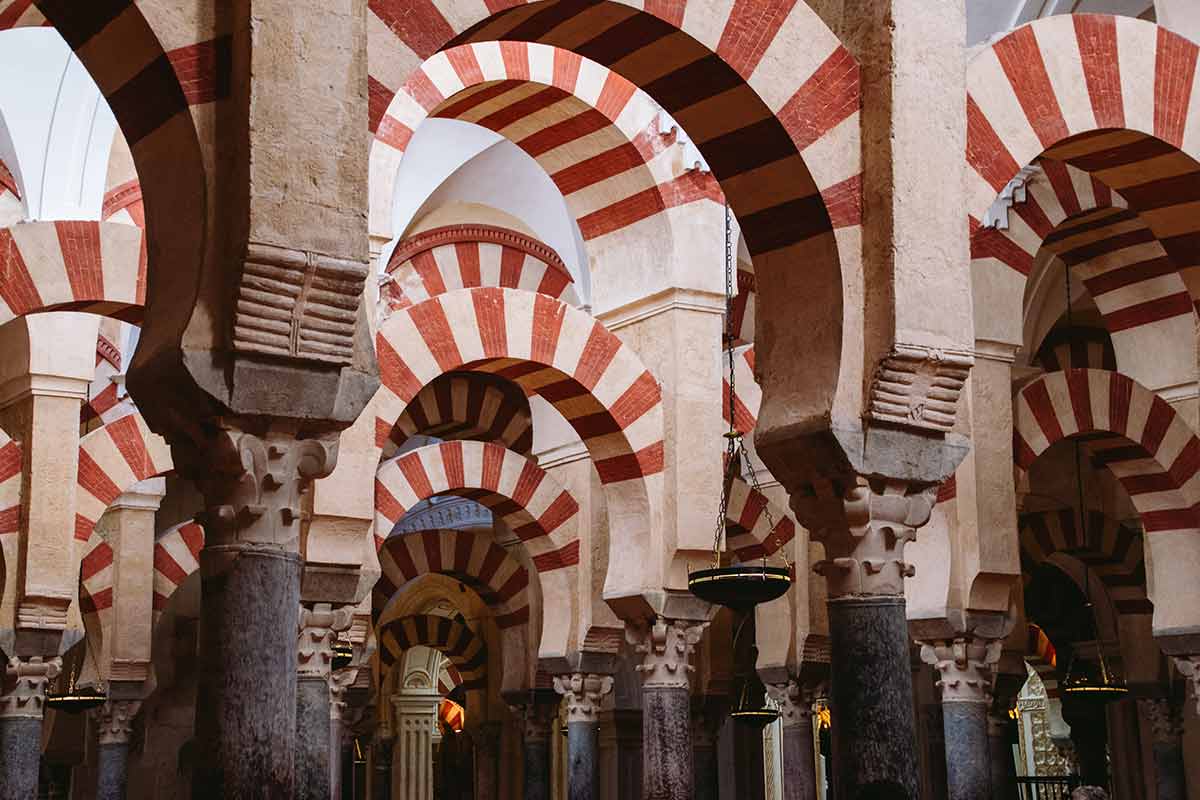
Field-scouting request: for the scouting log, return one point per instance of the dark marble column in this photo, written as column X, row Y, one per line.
column 1166, row 725
column 749, row 774
column 114, row 726
column 665, row 647
column 799, row 764
column 21, row 707
column 315, row 748
column 707, row 718
column 487, row 761
column 584, row 693
column 381, row 768
column 538, row 718
column 964, row 667
column 1089, row 733
column 1001, row 735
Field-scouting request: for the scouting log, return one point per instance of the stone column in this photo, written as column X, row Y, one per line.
column 341, row 721
column 706, row 722
column 253, row 486
column 1003, row 768
column 965, row 666
column 487, row 761
column 1089, row 733
column 22, row 701
column 382, row 749
column 666, row 647
column 1166, row 724
column 114, row 724
column 319, row 626
column 412, row 758
column 799, row 766
column 874, row 728
column 584, row 692
column 538, row 720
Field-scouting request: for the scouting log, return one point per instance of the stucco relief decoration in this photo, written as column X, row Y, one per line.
column 25, row 683
column 868, row 558
column 297, row 304
column 666, row 648
column 919, row 387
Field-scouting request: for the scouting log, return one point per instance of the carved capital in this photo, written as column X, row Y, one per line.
column 965, row 665
column 114, row 720
column 339, row 682
column 25, row 683
column 320, row 624
column 666, row 647
column 1189, row 667
column 537, row 720
column 867, row 557
column 584, row 693
column 254, row 483
column 1166, row 721
column 795, row 702
column 918, row 387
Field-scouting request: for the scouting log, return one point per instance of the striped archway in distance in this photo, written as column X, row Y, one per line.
column 10, row 516
column 755, row 526
column 176, row 556
column 462, row 406
column 1150, row 450
column 466, row 650
column 96, row 267
column 1112, row 550
column 596, row 382
column 1076, row 348
column 467, row 256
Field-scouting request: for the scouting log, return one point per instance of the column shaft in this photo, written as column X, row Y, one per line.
column 666, row 743
column 583, row 757
column 313, row 746
column 1168, row 764
column 748, row 761
column 20, row 754
column 412, row 776
column 968, row 752
column 537, row 769
column 799, row 766
column 874, row 731
column 381, row 770
column 112, row 761
column 246, row 697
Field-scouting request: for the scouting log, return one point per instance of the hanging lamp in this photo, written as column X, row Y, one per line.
column 343, row 655
column 737, row 586
column 76, row 700
column 751, row 711
column 1098, row 681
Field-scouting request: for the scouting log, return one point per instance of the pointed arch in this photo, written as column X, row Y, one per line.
column 1150, row 450
column 466, row 650
column 95, row 267
column 594, row 380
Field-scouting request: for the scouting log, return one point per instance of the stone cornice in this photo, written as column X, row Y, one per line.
column 43, row 385
column 660, row 302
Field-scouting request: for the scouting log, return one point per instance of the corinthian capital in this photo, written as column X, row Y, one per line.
column 866, row 558
column 319, row 627
column 25, row 683
column 795, row 702
column 1166, row 723
column 254, row 481
column 1189, row 667
column 584, row 693
column 965, row 666
column 114, row 720
column 666, row 647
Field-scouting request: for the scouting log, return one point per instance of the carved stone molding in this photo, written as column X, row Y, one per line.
column 666, row 647
column 254, row 483
column 114, row 720
column 965, row 666
column 867, row 558
column 795, row 702
column 298, row 304
column 918, row 387
column 1166, row 721
column 319, row 626
column 25, row 683
column 584, row 693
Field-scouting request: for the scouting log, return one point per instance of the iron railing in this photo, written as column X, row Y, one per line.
column 1044, row 788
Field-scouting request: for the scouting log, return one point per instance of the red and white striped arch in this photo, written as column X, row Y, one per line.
column 111, row 460
column 464, row 648
column 1112, row 96
column 462, row 406
column 1151, row 451
column 755, row 527
column 97, row 267
column 468, row 256
column 595, row 381
column 123, row 203
column 10, row 516
column 12, row 210
column 1076, row 348
column 747, row 396
column 176, row 556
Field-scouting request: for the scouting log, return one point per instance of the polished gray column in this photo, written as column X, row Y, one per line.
column 583, row 693
column 964, row 667
column 1004, row 768
column 538, row 723
column 246, row 693
column 1166, row 725
column 707, row 718
column 381, row 768
column 319, row 625
column 665, row 647
column 796, row 718
column 21, row 709
column 114, row 727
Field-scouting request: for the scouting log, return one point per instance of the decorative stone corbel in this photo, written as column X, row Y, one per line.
column 965, row 665
column 319, row 626
column 114, row 720
column 584, row 693
column 918, row 387
column 25, row 682
column 867, row 558
column 666, row 647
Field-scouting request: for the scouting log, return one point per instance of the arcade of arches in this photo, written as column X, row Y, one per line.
column 367, row 368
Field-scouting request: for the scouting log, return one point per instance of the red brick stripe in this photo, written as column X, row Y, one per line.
column 419, row 24
column 127, row 436
column 750, row 29
column 1174, row 71
column 17, row 287
column 986, row 152
column 1097, row 38
column 1021, row 59
column 829, row 96
column 80, row 244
